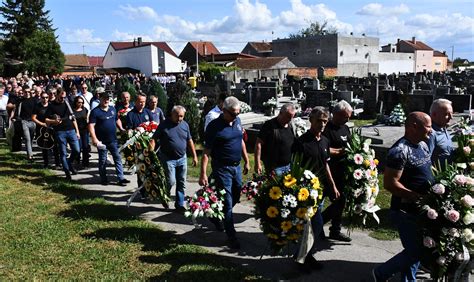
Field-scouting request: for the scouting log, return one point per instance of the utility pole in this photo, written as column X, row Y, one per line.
column 83, row 50
column 197, row 60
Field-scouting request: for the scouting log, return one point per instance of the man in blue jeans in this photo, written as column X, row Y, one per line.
column 407, row 176
column 103, row 122
column 225, row 145
column 174, row 137
column 59, row 115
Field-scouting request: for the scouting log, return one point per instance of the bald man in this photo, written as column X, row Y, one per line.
column 407, row 176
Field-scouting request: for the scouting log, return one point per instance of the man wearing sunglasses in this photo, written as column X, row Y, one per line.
column 224, row 144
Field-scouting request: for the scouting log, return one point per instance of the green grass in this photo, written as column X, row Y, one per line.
column 362, row 122
column 54, row 230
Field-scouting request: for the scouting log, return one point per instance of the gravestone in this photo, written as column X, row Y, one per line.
column 317, row 98
column 344, row 95
column 461, row 103
column 390, row 98
column 418, row 102
column 422, row 92
column 441, row 91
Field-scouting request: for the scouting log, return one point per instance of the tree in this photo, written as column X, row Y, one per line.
column 44, row 53
column 315, row 28
column 460, row 62
column 2, row 57
column 155, row 88
column 123, row 85
column 22, row 18
column 180, row 93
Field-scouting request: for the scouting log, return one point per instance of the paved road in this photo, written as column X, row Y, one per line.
column 342, row 261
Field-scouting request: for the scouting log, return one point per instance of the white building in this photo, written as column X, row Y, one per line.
column 147, row 57
column 390, row 62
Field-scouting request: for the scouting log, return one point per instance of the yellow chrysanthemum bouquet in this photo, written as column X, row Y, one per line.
column 285, row 203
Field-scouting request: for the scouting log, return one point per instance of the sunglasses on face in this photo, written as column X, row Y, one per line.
column 45, row 97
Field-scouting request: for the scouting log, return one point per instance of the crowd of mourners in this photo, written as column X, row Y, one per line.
column 81, row 119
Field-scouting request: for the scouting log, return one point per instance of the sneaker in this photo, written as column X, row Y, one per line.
column 339, row 237
column 68, row 177
column 233, row 243
column 73, row 170
column 311, row 262
column 123, row 182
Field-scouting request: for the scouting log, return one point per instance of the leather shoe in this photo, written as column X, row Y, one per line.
column 311, row 262
column 123, row 182
column 339, row 237
column 233, row 243
column 180, row 209
column 73, row 170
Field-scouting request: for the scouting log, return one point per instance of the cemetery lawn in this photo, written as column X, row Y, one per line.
column 51, row 229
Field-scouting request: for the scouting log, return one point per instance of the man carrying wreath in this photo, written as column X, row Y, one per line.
column 315, row 148
column 407, row 176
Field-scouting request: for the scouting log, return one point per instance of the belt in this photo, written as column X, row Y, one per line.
column 225, row 163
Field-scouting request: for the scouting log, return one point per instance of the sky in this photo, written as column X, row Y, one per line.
column 87, row 26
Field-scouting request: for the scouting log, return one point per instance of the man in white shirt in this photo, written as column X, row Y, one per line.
column 87, row 96
column 3, row 111
column 216, row 111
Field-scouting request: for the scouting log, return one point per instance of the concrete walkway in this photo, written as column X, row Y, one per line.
column 342, row 261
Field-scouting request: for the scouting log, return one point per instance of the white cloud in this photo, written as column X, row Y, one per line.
column 377, row 9
column 82, row 35
column 137, row 13
column 126, row 36
column 300, row 14
column 82, row 40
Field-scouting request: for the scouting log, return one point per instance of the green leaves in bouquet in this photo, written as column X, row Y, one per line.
column 297, row 167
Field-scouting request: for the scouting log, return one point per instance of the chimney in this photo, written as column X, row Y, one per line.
column 134, row 42
column 413, row 40
column 139, row 40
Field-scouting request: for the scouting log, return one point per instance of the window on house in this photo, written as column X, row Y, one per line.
column 409, row 57
column 393, row 50
column 318, row 51
column 341, row 53
column 294, row 53
column 356, row 50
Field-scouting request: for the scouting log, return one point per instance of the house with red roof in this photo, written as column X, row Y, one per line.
column 200, row 49
column 440, row 61
column 423, row 54
column 147, row 57
column 259, row 49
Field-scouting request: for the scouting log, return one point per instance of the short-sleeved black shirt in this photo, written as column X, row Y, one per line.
column 338, row 135
column 277, row 143
column 81, row 119
column 316, row 151
column 40, row 112
column 62, row 111
column 27, row 107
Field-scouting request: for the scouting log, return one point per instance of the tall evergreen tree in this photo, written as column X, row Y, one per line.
column 44, row 53
column 22, row 19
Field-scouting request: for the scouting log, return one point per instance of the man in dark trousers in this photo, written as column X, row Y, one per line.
column 408, row 176
column 314, row 148
column 338, row 134
column 274, row 142
column 103, row 123
column 60, row 116
column 225, row 145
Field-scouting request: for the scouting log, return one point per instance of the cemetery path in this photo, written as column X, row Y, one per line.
column 342, row 261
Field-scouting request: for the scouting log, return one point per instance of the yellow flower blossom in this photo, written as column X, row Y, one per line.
column 272, row 236
column 286, row 225
column 300, row 227
column 289, row 181
column 373, row 173
column 376, row 162
column 301, row 212
column 315, row 182
column 303, row 194
column 366, row 163
column 275, row 193
column 272, row 212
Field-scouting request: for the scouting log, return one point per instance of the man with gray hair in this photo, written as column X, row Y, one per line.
column 440, row 144
column 338, row 134
column 175, row 136
column 274, row 142
column 225, row 145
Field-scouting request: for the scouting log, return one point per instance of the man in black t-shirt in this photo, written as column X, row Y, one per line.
column 60, row 116
column 315, row 148
column 274, row 142
column 24, row 111
column 338, row 134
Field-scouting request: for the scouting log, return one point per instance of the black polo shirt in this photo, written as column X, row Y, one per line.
column 277, row 143
column 315, row 151
column 27, row 107
column 338, row 136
